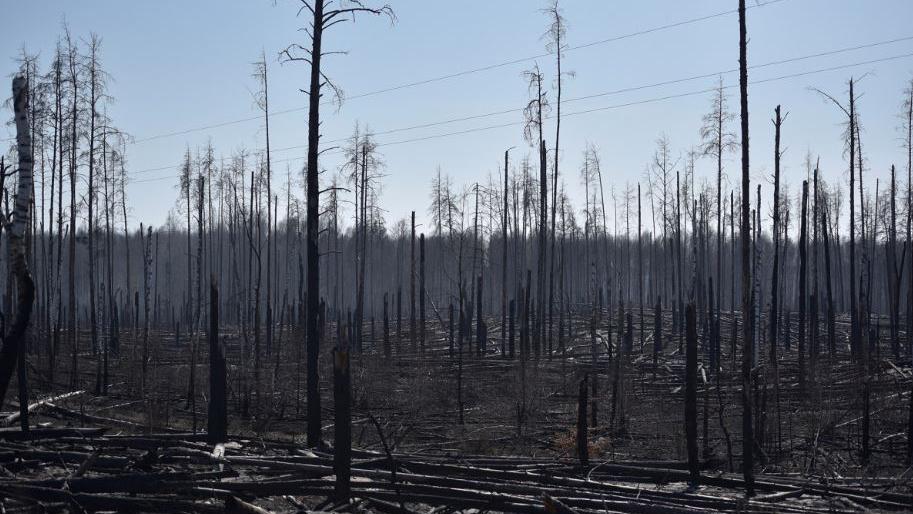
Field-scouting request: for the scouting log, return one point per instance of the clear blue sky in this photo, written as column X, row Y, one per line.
column 184, row 64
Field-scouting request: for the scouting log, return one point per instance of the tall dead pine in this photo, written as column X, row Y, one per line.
column 322, row 19
column 504, row 227
column 747, row 346
column 773, row 318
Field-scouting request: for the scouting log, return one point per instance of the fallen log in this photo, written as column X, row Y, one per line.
column 89, row 418
column 12, row 418
column 15, row 434
column 66, row 456
column 96, row 502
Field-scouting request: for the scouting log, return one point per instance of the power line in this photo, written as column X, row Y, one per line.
column 598, row 109
column 595, row 95
column 462, row 73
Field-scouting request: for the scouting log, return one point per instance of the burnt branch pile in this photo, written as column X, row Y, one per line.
column 89, row 470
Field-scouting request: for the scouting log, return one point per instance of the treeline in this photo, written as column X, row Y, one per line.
column 671, row 237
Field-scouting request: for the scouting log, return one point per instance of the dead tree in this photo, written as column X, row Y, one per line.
column 907, row 117
column 322, row 19
column 657, row 333
column 851, row 143
column 262, row 100
column 74, row 79
column 14, row 339
column 386, row 341
column 481, row 329
column 342, row 407
column 95, row 94
column 217, row 421
column 422, row 292
column 198, row 308
column 717, row 140
column 583, row 450
column 893, row 273
column 803, row 282
column 412, row 284
column 773, row 317
column 147, row 294
column 747, row 422
column 691, row 392
column 831, row 322
column 640, row 266
column 511, row 329
column 533, row 132
column 557, row 33
column 504, row 227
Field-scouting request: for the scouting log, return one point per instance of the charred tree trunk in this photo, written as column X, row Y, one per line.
column 412, row 285
column 147, row 292
column 13, row 340
column 71, row 246
column 640, row 267
column 691, row 392
column 773, row 318
column 747, row 422
column 342, row 441
column 803, row 293
column 387, row 351
column 480, row 319
column 892, row 274
column 854, row 315
column 511, row 330
column 583, row 450
column 312, row 177
column 504, row 226
column 421, row 293
column 657, row 333
column 831, row 322
column 217, row 421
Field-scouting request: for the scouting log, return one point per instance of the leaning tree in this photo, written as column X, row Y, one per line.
column 16, row 227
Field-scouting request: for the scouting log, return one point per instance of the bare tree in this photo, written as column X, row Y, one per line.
column 262, row 99
column 774, row 288
column 556, row 34
column 717, row 140
column 13, row 340
column 534, row 113
column 747, row 422
column 850, row 136
column 322, row 19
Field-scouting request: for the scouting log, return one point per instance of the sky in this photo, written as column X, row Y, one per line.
column 181, row 77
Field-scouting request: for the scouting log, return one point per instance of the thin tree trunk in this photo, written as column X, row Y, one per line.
column 803, row 293
column 691, row 392
column 583, row 450
column 342, row 407
column 774, row 286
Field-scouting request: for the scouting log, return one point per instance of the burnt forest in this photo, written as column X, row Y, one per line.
column 726, row 327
